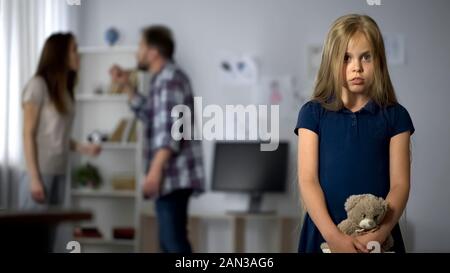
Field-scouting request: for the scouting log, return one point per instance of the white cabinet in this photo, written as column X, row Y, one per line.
column 111, row 208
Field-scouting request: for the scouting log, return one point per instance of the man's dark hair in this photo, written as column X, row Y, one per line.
column 161, row 38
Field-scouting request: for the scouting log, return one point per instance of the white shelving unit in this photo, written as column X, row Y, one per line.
column 100, row 98
column 111, row 208
column 107, row 243
column 103, row 193
column 119, row 146
column 107, row 50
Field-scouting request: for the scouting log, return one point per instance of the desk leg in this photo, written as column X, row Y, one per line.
column 238, row 233
column 193, row 233
column 287, row 228
column 149, row 242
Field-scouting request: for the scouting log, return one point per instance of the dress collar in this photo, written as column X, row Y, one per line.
column 371, row 107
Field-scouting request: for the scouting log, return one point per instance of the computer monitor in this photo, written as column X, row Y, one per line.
column 243, row 167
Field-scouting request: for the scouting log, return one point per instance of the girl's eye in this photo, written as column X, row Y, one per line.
column 346, row 58
column 367, row 58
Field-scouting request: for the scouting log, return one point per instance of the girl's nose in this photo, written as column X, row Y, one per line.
column 357, row 67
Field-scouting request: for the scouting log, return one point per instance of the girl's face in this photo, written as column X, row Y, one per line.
column 358, row 65
column 74, row 58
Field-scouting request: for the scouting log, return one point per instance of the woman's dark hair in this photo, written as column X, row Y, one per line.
column 54, row 68
column 161, row 38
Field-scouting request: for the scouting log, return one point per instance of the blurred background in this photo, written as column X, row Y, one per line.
column 280, row 41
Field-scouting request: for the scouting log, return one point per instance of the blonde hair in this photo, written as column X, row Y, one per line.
column 329, row 80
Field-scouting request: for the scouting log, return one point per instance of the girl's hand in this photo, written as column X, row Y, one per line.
column 376, row 236
column 37, row 191
column 343, row 243
column 90, row 149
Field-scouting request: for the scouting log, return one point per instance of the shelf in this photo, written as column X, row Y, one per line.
column 106, row 242
column 107, row 49
column 101, row 98
column 118, row 146
column 103, row 193
column 102, row 111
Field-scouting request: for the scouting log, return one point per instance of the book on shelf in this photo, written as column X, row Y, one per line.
column 125, row 131
column 123, row 233
column 123, row 183
column 87, row 232
column 132, row 136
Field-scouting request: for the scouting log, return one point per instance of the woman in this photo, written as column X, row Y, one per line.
column 48, row 112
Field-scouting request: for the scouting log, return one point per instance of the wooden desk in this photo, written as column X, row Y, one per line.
column 286, row 226
column 28, row 231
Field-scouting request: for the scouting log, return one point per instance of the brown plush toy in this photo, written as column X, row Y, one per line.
column 365, row 212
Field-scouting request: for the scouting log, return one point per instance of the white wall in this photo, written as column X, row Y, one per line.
column 279, row 30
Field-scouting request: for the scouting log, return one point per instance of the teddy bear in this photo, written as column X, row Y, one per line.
column 365, row 212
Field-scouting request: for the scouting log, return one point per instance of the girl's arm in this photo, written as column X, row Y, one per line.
column 313, row 197
column 399, row 168
column 400, row 173
column 30, row 123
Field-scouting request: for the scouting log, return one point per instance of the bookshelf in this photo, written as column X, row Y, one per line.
column 103, row 193
column 119, row 146
column 107, row 243
column 120, row 157
column 100, row 98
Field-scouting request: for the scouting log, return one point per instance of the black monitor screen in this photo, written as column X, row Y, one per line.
column 242, row 166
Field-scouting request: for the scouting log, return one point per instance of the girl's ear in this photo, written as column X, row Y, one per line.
column 352, row 201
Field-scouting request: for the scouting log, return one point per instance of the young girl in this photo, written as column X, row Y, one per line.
column 353, row 139
column 48, row 111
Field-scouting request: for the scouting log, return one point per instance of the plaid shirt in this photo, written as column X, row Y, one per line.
column 168, row 88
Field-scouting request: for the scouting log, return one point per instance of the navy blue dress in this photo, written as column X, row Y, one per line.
column 353, row 158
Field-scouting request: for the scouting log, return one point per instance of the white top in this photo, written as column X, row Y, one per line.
column 53, row 129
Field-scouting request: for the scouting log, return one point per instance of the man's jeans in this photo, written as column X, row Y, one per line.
column 171, row 211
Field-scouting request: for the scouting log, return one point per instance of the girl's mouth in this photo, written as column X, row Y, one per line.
column 357, row 81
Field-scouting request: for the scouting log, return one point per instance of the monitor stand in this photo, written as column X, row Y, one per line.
column 254, row 206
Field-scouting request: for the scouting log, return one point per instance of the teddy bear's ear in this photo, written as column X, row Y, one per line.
column 352, row 201
column 385, row 205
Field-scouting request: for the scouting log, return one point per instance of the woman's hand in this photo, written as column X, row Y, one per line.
column 37, row 191
column 90, row 149
column 343, row 243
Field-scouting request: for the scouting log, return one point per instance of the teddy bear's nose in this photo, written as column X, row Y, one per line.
column 367, row 223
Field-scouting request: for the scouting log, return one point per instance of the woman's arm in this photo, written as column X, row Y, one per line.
column 313, row 197
column 86, row 149
column 399, row 168
column 30, row 123
column 74, row 146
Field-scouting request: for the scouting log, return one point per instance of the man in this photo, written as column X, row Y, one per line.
column 174, row 169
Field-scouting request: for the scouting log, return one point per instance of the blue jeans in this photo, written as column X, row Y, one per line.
column 171, row 212
column 54, row 188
